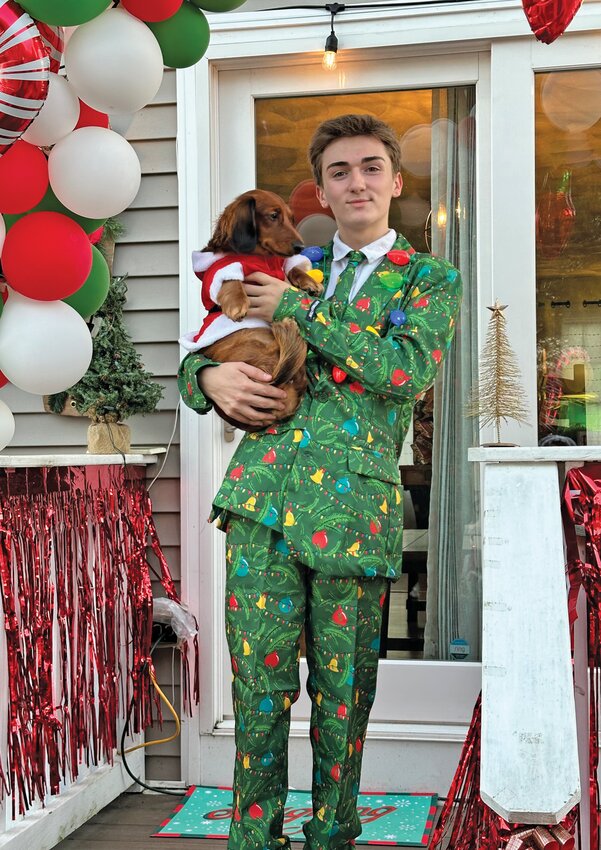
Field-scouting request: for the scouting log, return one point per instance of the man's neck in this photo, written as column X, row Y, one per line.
column 358, row 240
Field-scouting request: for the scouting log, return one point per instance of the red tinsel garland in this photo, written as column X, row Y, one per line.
column 77, row 600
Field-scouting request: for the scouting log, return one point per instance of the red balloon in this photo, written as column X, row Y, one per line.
column 96, row 235
column 46, row 256
column 31, row 88
column 23, row 178
column 152, row 10
column 303, row 202
column 89, row 117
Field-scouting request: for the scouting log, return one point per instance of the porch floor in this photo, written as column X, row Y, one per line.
column 127, row 824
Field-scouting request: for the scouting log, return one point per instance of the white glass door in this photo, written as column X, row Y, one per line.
column 264, row 121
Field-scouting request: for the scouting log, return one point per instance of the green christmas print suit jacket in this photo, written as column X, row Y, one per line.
column 328, row 478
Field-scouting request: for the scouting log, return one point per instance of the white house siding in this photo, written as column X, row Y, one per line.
column 148, row 252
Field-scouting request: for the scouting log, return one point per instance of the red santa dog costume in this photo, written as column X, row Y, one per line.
column 212, row 270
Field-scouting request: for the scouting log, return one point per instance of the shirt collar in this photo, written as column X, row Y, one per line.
column 373, row 251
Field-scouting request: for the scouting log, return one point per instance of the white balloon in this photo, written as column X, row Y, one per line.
column 114, row 62
column 2, row 232
column 94, row 172
column 45, row 346
column 58, row 116
column 317, row 229
column 7, row 425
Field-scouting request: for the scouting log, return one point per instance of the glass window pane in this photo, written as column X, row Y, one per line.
column 440, row 564
column 568, row 256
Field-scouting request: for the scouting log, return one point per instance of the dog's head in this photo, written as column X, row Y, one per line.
column 257, row 222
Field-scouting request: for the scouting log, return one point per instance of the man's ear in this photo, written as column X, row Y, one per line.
column 397, row 186
column 321, row 197
column 244, row 231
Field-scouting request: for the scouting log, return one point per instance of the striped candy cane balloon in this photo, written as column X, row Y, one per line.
column 54, row 39
column 24, row 67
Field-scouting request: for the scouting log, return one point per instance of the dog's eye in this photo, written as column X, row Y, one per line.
column 274, row 216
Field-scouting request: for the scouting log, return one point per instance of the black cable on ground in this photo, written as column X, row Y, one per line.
column 128, row 770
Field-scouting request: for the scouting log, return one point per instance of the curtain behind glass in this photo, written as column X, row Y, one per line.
column 453, row 604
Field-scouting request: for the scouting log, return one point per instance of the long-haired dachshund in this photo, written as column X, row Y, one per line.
column 255, row 232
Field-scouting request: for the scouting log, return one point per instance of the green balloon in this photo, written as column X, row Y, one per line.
column 50, row 203
column 218, row 5
column 10, row 218
column 66, row 13
column 92, row 293
column 183, row 38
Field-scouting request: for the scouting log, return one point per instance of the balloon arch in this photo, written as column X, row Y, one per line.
column 64, row 171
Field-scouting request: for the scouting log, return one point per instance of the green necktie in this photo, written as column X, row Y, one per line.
column 347, row 278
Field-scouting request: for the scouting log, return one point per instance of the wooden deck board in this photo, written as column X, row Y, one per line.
column 128, row 823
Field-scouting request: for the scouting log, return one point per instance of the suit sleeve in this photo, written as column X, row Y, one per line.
column 402, row 363
column 187, row 381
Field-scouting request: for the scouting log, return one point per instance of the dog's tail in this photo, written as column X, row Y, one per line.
column 293, row 352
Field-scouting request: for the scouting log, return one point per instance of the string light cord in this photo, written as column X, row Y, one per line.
column 169, row 444
column 342, row 7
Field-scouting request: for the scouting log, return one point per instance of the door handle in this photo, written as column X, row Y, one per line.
column 228, row 431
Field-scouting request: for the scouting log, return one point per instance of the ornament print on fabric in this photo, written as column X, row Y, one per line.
column 269, row 597
column 328, row 479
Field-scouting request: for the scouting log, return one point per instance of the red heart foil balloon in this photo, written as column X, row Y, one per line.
column 549, row 18
column 24, row 66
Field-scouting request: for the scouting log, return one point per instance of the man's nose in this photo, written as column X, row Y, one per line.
column 357, row 179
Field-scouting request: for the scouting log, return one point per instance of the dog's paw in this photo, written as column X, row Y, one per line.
column 233, row 300
column 304, row 281
column 236, row 312
column 314, row 288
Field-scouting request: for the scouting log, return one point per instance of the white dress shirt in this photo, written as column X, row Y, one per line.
column 374, row 252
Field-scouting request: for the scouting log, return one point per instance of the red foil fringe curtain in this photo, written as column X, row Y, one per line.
column 582, row 512
column 466, row 823
column 77, row 601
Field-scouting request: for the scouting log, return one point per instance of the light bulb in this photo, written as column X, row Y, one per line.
column 329, row 60
column 330, row 50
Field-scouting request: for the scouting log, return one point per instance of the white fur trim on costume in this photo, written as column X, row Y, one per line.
column 298, row 261
column 201, row 260
column 221, row 327
column 232, row 272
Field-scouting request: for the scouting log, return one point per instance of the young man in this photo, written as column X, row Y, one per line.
column 312, row 507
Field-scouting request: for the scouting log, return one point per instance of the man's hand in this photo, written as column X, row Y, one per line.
column 265, row 293
column 243, row 392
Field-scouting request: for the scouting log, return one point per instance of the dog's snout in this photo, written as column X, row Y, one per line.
column 297, row 247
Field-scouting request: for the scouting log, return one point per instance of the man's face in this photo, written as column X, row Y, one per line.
column 358, row 184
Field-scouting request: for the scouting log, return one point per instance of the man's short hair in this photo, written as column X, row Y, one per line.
column 345, row 126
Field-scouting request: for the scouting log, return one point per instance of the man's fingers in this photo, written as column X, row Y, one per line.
column 253, row 372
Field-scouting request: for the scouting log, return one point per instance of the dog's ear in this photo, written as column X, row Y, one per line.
column 244, row 230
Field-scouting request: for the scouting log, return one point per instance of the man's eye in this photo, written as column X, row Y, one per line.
column 339, row 174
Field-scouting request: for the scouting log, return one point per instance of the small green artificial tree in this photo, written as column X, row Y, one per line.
column 116, row 385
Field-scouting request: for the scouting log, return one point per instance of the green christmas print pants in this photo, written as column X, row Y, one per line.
column 269, row 597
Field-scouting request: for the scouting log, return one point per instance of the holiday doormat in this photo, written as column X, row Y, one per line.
column 405, row 819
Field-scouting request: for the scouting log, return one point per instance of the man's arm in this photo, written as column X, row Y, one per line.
column 241, row 391
column 404, row 362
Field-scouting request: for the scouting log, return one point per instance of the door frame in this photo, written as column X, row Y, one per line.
column 419, row 37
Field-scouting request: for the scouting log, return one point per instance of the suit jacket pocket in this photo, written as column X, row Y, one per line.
column 374, row 464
